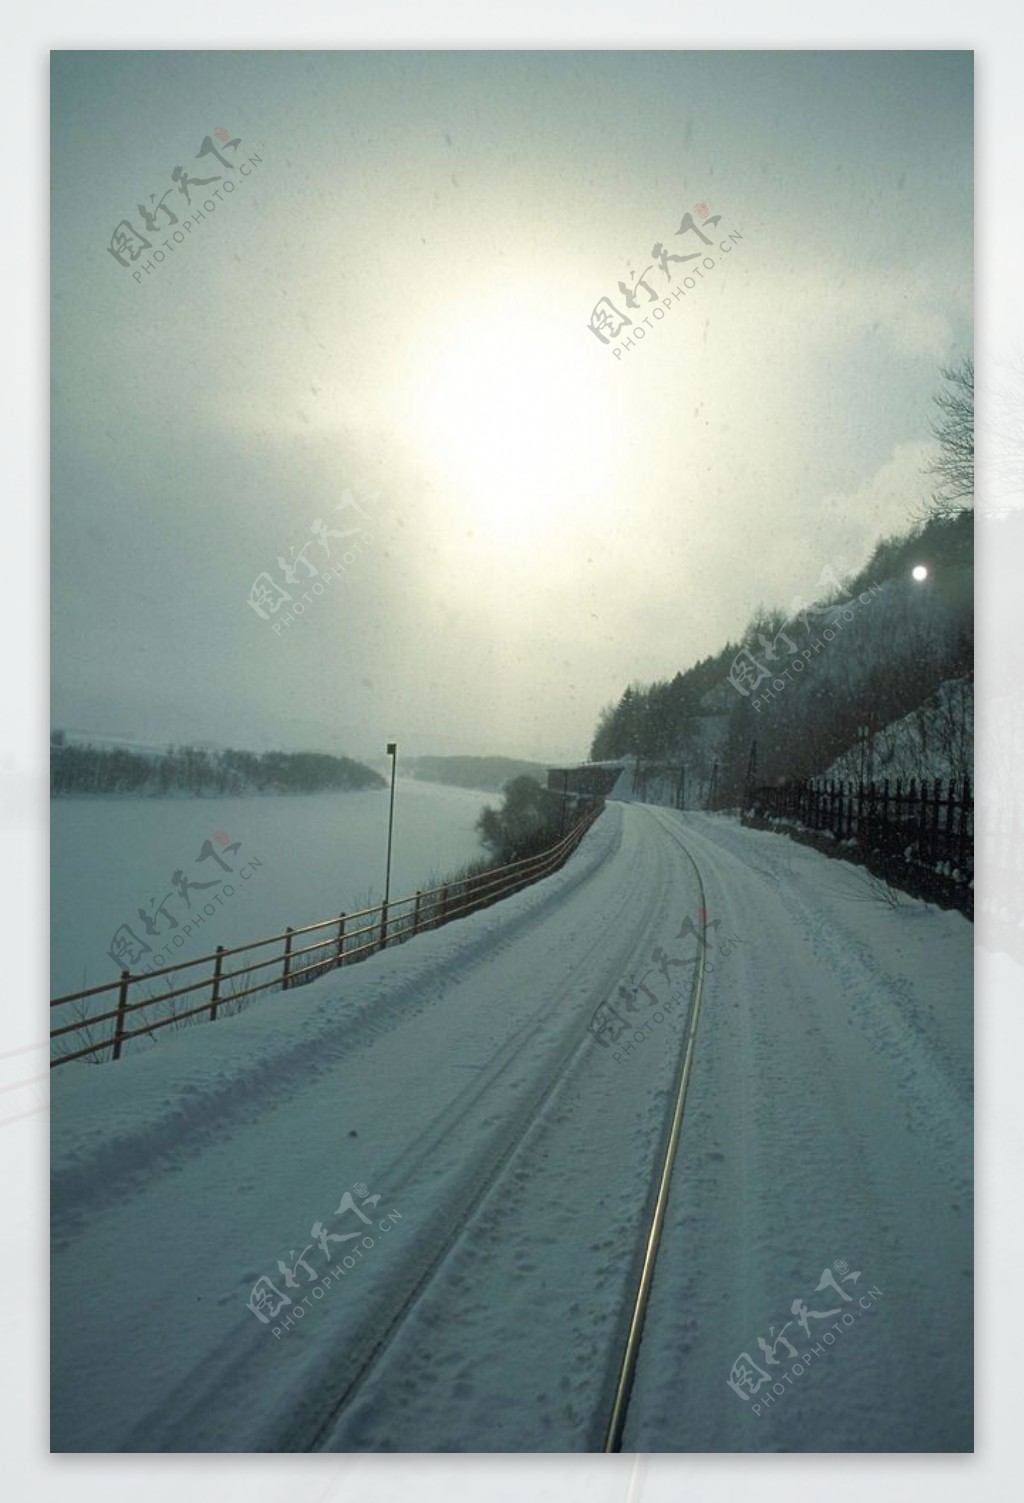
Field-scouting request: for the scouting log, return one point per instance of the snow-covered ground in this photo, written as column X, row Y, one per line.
column 480, row 1301
column 319, row 854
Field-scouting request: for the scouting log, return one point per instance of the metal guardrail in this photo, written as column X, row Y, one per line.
column 345, row 939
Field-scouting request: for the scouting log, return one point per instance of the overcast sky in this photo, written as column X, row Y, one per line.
column 395, row 300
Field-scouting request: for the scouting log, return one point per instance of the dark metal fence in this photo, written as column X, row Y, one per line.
column 917, row 822
column 295, row 957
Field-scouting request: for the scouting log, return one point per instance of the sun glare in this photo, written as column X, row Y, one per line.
column 505, row 413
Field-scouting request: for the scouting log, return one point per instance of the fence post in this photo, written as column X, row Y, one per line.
column 341, row 940
column 965, row 803
column 444, row 906
column 287, row 957
column 416, row 915
column 122, row 1004
column 383, row 925
column 215, row 993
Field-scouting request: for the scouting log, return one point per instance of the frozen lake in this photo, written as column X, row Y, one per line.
column 318, row 855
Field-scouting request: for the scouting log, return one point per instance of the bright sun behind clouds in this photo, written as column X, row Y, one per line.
column 506, row 409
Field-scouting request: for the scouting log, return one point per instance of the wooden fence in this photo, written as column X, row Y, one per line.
column 295, row 957
column 916, row 822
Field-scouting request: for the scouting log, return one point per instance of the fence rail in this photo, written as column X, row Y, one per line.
column 916, row 821
column 342, row 940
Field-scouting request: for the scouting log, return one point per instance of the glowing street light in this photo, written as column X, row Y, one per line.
column 919, row 572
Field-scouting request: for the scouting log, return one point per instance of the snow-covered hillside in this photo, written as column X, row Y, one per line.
column 934, row 741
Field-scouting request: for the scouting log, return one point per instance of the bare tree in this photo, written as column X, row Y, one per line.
column 954, row 429
column 953, row 728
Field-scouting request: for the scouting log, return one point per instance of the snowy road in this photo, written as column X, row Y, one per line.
column 482, row 1301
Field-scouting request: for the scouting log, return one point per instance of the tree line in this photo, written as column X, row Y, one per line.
column 83, row 768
